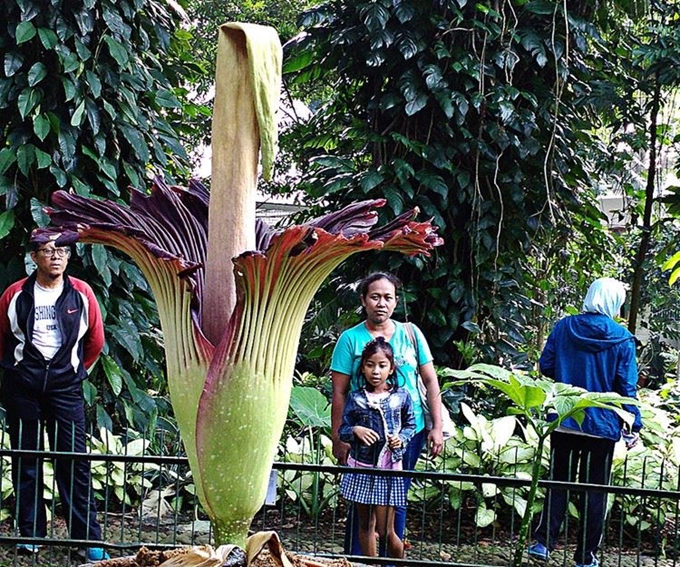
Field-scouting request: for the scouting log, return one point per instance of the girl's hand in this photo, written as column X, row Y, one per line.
column 394, row 441
column 365, row 435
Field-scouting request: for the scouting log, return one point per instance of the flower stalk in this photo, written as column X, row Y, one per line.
column 230, row 364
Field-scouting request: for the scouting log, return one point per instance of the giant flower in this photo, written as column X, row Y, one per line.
column 231, row 322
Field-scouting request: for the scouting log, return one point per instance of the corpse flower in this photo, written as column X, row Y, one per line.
column 230, row 362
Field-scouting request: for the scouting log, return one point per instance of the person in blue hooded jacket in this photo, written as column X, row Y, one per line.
column 592, row 351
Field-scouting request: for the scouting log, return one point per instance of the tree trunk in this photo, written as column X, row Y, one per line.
column 646, row 228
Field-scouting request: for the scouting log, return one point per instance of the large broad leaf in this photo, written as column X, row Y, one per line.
column 41, row 126
column 36, row 73
column 38, row 213
column 612, row 402
column 7, row 158
column 502, row 430
column 48, row 38
column 375, row 16
column 13, row 62
column 25, row 31
column 416, row 104
column 43, row 159
column 671, row 264
column 78, row 115
column 564, row 404
column 127, row 337
column 59, row 175
column 491, row 370
column 89, row 392
column 433, row 182
column 484, row 517
column 113, row 374
column 533, row 395
column 70, row 89
column 28, row 100
column 310, row 407
column 94, row 84
column 166, row 99
column 6, row 223
column 69, row 62
column 117, row 51
column 297, row 61
column 93, row 117
column 26, row 158
column 100, row 257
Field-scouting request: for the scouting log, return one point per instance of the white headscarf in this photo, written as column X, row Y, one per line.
column 605, row 296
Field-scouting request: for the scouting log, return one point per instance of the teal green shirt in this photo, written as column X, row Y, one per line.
column 350, row 345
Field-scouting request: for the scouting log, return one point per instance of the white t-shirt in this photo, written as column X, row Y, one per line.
column 46, row 332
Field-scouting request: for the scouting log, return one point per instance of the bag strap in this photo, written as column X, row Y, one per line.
column 414, row 342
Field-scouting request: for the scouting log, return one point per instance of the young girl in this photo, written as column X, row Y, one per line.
column 378, row 422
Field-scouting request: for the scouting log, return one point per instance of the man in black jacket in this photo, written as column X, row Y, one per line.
column 51, row 333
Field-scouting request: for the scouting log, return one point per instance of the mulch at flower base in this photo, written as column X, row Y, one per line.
column 149, row 558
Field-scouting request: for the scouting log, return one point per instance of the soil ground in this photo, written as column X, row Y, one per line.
column 430, row 541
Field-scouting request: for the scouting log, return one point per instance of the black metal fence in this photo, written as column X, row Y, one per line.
column 145, row 497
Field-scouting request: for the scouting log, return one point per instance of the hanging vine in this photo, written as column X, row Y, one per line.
column 468, row 111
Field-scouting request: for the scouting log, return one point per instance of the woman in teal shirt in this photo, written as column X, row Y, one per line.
column 378, row 293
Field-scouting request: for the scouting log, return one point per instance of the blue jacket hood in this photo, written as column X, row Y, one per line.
column 594, row 332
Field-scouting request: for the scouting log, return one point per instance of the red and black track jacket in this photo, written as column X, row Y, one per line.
column 80, row 323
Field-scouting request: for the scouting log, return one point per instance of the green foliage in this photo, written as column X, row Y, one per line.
column 659, row 322
column 310, row 408
column 128, row 385
column 5, row 477
column 313, row 492
column 121, row 483
column 472, row 115
column 88, row 98
column 326, row 320
column 127, row 481
column 670, row 261
column 208, row 15
column 309, row 443
column 505, row 447
column 544, row 405
column 655, row 464
column 637, row 109
column 93, row 98
column 487, row 447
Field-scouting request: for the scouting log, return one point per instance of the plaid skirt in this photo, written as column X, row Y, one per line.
column 376, row 490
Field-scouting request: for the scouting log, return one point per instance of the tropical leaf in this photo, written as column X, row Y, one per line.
column 310, row 406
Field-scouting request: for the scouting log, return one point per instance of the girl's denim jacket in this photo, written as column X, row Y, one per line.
column 398, row 411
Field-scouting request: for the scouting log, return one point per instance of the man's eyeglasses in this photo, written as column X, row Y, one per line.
column 52, row 252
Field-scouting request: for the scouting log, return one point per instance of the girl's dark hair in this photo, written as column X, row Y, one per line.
column 376, row 345
column 374, row 277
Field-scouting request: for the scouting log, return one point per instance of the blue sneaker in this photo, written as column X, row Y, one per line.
column 27, row 548
column 97, row 554
column 538, row 551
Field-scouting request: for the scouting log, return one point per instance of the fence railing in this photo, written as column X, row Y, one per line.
column 454, row 519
